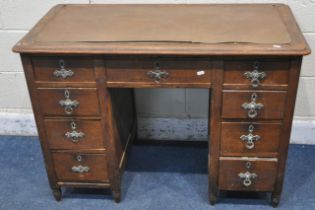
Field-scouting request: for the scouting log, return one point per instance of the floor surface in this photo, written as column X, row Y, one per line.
column 156, row 177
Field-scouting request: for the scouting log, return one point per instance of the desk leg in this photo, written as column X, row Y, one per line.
column 116, row 195
column 212, row 199
column 286, row 129
column 121, row 128
column 215, row 130
column 275, row 200
column 39, row 118
column 57, row 194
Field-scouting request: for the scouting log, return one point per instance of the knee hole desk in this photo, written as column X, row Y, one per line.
column 82, row 63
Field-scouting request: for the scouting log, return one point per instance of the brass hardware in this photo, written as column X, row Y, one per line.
column 74, row 135
column 63, row 72
column 248, row 165
column 252, row 107
column 68, row 104
column 250, row 138
column 157, row 74
column 78, row 158
column 80, row 169
column 247, row 176
column 255, row 76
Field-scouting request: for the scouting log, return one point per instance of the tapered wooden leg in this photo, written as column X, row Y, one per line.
column 275, row 200
column 212, row 199
column 57, row 194
column 116, row 195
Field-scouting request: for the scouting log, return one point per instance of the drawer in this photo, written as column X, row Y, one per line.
column 74, row 134
column 270, row 73
column 151, row 72
column 80, row 167
column 247, row 174
column 250, row 139
column 69, row 101
column 253, row 104
column 63, row 69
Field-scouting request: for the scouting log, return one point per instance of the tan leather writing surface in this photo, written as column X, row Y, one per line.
column 174, row 23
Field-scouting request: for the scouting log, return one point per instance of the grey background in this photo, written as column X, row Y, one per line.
column 172, row 114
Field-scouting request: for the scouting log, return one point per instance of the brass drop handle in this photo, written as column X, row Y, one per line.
column 255, row 76
column 62, row 71
column 247, row 178
column 80, row 169
column 74, row 135
column 68, row 104
column 250, row 138
column 157, row 74
column 252, row 106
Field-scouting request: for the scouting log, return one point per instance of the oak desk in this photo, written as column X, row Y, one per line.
column 82, row 62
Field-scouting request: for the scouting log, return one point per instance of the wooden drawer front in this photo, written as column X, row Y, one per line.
column 273, row 104
column 74, row 134
column 84, row 101
column 230, row 169
column 63, row 69
column 80, row 167
column 236, row 139
column 174, row 72
column 276, row 73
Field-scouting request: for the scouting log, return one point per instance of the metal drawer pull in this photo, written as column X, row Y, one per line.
column 157, row 74
column 63, row 72
column 255, row 76
column 80, row 169
column 252, row 107
column 248, row 165
column 78, row 158
column 68, row 104
column 74, row 135
column 247, row 176
column 250, row 138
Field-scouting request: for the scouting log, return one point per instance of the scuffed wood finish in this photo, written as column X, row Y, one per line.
column 32, row 43
column 106, row 67
column 266, row 171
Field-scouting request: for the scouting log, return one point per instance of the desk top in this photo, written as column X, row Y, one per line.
column 224, row 29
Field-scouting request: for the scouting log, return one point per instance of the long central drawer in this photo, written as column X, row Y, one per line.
column 180, row 72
